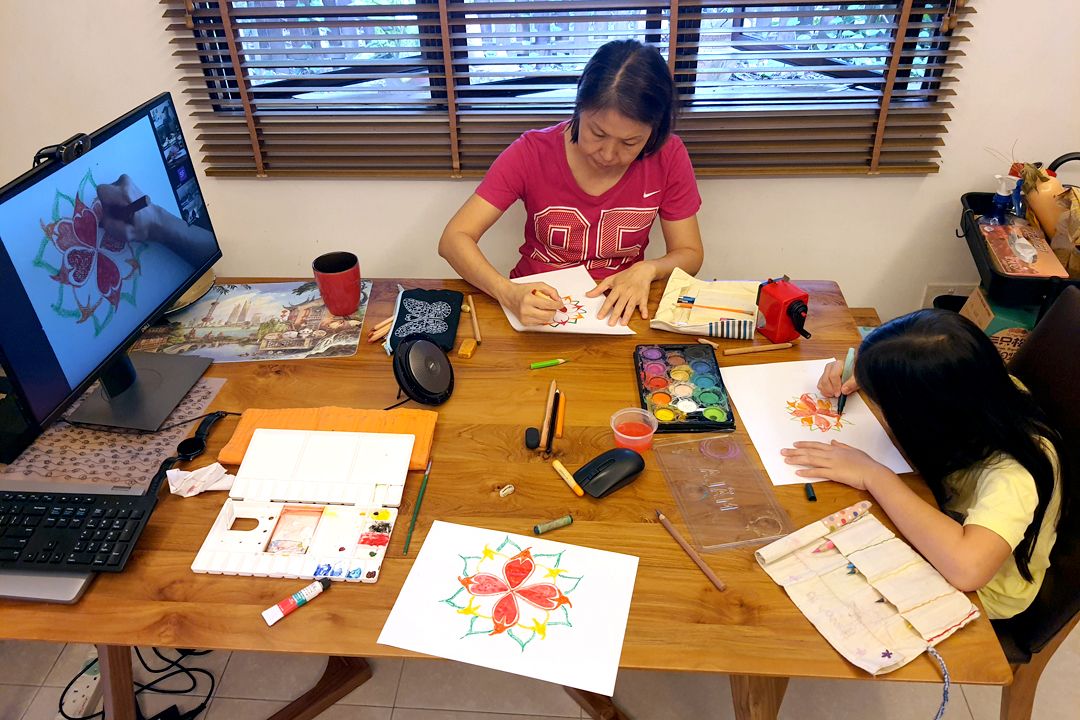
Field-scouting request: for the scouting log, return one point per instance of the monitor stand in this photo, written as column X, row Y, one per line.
column 139, row 390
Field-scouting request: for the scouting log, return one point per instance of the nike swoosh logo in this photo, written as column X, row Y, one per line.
column 649, row 194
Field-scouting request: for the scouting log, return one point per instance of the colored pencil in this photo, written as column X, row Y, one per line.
column 703, row 341
column 126, row 213
column 561, row 415
column 546, row 364
column 684, row 304
column 808, row 488
column 849, row 366
column 567, row 477
column 553, row 421
column 690, row 551
column 547, row 415
column 416, row 507
column 384, row 323
column 475, row 321
column 756, row 348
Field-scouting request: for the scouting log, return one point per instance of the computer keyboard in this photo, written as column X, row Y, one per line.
column 54, row 531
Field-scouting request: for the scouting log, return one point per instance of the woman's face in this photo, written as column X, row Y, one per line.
column 609, row 140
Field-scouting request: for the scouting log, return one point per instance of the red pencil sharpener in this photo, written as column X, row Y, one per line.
column 783, row 307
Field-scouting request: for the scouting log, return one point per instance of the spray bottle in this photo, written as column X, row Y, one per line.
column 1002, row 202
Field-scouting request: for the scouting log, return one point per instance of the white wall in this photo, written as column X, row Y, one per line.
column 71, row 65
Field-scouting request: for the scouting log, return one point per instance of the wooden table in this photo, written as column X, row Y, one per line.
column 678, row 621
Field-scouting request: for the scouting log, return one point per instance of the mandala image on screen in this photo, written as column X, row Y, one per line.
column 816, row 413
column 571, row 313
column 507, row 592
column 92, row 269
column 424, row 317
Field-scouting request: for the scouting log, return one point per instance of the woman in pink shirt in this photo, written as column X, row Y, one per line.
column 592, row 188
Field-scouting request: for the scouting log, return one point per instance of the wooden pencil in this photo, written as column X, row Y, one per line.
column 703, row 341
column 379, row 334
column 756, row 348
column 691, row 552
column 384, row 323
column 714, row 307
column 475, row 322
column 545, row 423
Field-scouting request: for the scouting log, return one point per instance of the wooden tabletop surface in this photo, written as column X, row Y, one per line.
column 678, row 620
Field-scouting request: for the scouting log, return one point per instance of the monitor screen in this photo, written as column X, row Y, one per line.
column 93, row 250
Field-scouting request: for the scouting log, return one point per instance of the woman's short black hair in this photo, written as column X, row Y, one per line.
column 950, row 402
column 633, row 79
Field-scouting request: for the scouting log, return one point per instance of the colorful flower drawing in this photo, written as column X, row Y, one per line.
column 816, row 413
column 93, row 270
column 519, row 596
column 571, row 313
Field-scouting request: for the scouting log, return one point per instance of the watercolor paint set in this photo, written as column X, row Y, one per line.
column 310, row 504
column 680, row 385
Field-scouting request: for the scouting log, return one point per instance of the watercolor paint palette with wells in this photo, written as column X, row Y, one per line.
column 680, row 385
column 310, row 504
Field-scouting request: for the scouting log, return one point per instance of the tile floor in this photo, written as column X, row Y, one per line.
column 254, row 685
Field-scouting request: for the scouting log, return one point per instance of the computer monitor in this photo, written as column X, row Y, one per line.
column 93, row 248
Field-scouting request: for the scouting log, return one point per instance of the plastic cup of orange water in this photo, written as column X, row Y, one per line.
column 633, row 428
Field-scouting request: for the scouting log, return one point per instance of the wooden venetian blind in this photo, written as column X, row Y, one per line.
column 440, row 87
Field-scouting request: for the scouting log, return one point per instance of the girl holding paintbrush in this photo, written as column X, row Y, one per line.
column 592, row 188
column 976, row 437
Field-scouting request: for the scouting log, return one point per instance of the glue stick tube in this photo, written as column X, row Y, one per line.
column 291, row 603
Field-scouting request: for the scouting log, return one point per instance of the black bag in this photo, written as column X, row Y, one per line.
column 432, row 314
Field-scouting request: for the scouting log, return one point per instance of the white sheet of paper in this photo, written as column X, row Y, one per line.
column 766, row 396
column 580, row 318
column 578, row 643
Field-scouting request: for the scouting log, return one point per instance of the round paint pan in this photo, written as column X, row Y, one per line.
column 675, row 359
column 656, row 383
column 668, row 414
column 701, row 366
column 687, row 405
column 709, row 398
column 682, row 390
column 696, row 353
column 660, row 398
column 655, row 368
column 681, row 375
column 703, row 381
column 715, row 414
column 652, row 353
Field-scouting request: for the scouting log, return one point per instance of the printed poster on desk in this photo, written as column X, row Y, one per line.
column 532, row 607
column 779, row 405
column 578, row 315
column 259, row 321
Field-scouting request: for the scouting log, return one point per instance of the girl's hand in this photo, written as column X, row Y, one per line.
column 834, row 461
column 829, row 384
column 533, row 308
column 627, row 291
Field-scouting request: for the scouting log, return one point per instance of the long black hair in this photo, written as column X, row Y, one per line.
column 945, row 392
column 632, row 78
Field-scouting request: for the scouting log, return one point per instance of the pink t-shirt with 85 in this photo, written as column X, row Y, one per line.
column 565, row 225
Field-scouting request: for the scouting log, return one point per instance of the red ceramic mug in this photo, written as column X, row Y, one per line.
column 338, row 276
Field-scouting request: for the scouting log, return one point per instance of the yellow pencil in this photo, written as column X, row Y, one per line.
column 756, row 348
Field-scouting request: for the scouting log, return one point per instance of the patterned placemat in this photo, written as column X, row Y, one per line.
column 115, row 458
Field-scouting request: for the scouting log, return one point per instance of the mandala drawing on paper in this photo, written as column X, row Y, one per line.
column 508, row 592
column 816, row 413
column 93, row 270
column 570, row 314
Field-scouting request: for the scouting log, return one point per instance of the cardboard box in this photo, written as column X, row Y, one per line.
column 1007, row 326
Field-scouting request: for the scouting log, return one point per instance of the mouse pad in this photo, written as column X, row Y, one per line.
column 432, row 314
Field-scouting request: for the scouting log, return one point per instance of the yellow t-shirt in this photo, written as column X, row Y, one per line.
column 1000, row 495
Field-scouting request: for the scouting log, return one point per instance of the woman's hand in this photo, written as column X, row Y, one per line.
column 830, row 386
column 532, row 303
column 626, row 291
column 835, row 461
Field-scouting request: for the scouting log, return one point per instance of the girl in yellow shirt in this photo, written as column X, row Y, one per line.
column 978, row 440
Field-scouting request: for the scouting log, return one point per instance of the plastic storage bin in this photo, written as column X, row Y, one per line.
column 1002, row 288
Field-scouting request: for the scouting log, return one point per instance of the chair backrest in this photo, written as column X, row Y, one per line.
column 1048, row 363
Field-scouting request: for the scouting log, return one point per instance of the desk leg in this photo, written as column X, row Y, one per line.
column 115, row 664
column 757, row 697
column 599, row 707
column 341, row 677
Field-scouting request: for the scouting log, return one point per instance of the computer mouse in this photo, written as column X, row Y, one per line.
column 609, row 471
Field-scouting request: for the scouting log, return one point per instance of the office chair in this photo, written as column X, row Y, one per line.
column 1048, row 363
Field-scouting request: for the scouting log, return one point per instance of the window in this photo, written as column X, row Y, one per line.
column 440, row 87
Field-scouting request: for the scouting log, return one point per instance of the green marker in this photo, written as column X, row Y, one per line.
column 849, row 366
column 546, row 364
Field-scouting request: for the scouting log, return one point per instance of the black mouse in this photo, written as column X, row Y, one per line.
column 609, row 471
